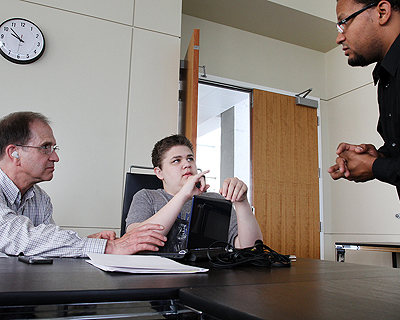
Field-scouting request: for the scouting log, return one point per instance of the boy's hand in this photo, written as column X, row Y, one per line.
column 195, row 185
column 107, row 234
column 234, row 190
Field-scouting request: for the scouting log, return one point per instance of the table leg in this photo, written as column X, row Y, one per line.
column 394, row 259
column 340, row 254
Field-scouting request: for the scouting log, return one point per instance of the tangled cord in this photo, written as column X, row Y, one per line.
column 259, row 255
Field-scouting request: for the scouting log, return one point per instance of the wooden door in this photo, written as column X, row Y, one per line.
column 190, row 89
column 284, row 142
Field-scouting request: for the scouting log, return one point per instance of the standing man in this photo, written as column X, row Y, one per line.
column 28, row 153
column 369, row 32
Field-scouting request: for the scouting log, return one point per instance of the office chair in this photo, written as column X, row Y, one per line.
column 133, row 183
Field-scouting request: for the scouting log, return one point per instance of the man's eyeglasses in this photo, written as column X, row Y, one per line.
column 44, row 149
column 340, row 24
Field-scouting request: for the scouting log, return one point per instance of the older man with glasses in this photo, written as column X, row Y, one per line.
column 28, row 153
column 369, row 32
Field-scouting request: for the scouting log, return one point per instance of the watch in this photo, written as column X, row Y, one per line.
column 21, row 41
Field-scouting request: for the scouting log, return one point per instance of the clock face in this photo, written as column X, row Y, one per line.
column 21, row 41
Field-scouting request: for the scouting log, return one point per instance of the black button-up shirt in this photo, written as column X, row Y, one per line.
column 387, row 73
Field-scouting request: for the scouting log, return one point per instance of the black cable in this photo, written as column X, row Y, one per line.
column 259, row 255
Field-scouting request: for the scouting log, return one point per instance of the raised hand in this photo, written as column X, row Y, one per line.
column 234, row 190
column 195, row 185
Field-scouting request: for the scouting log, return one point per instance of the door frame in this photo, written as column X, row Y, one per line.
column 249, row 92
column 245, row 86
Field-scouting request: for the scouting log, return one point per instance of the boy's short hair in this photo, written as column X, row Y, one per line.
column 15, row 128
column 162, row 146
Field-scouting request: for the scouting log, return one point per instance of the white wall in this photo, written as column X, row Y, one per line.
column 109, row 82
column 239, row 55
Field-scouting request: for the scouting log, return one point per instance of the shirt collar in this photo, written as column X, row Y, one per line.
column 11, row 191
column 390, row 62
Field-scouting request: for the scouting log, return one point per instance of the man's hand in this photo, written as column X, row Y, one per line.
column 106, row 234
column 339, row 170
column 144, row 238
column 361, row 156
column 360, row 148
column 234, row 190
column 359, row 166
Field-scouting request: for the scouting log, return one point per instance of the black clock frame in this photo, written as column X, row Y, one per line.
column 17, row 61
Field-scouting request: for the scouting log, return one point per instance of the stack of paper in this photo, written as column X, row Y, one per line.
column 139, row 264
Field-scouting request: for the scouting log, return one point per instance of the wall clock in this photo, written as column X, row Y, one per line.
column 21, row 41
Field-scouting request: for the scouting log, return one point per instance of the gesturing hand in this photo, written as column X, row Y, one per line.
column 354, row 162
column 195, row 185
column 359, row 166
column 234, row 190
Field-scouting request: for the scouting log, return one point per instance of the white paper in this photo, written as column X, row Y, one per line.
column 139, row 264
column 3, row 255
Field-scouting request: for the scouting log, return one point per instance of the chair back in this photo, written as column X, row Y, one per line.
column 133, row 183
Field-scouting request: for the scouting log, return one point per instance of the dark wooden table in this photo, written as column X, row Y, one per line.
column 310, row 289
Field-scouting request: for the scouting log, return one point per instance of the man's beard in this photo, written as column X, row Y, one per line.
column 358, row 61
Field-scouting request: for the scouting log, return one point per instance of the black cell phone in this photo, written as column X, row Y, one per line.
column 35, row 260
column 198, row 184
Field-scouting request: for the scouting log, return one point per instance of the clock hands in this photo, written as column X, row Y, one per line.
column 16, row 35
column 20, row 40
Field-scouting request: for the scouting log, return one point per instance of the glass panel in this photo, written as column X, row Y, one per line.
column 223, row 134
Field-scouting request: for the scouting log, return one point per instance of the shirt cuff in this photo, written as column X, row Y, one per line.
column 93, row 245
column 380, row 169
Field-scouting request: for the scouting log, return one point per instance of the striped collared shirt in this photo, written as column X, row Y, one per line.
column 27, row 226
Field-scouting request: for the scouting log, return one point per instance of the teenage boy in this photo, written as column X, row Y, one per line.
column 174, row 164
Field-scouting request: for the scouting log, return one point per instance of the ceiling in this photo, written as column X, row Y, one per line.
column 267, row 19
column 215, row 100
